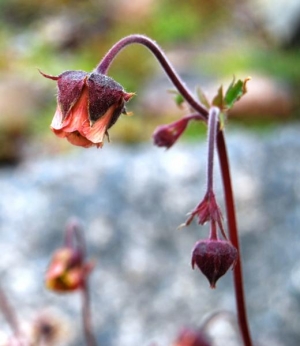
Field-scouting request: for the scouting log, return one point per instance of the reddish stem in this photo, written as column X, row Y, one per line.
column 233, row 235
column 87, row 317
column 213, row 235
column 105, row 63
column 74, row 239
column 10, row 315
column 222, row 153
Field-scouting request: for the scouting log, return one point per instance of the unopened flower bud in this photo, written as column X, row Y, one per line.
column 67, row 272
column 214, row 258
column 88, row 105
column 167, row 135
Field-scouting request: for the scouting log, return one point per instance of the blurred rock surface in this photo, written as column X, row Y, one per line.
column 131, row 201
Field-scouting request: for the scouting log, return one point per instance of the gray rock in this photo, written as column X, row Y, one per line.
column 131, row 200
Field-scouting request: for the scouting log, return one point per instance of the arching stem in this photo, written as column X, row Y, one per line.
column 105, row 63
column 222, row 153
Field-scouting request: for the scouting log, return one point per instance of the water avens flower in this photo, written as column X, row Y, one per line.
column 88, row 104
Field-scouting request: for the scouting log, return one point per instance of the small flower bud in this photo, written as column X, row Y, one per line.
column 67, row 272
column 214, row 258
column 167, row 135
column 88, row 105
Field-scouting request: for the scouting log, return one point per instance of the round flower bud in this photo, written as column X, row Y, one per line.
column 214, row 258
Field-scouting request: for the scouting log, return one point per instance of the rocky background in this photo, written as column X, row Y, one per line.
column 131, row 201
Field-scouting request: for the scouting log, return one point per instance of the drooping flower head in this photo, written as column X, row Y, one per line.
column 88, row 104
column 214, row 258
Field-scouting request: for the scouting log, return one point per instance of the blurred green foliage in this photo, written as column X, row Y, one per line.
column 203, row 38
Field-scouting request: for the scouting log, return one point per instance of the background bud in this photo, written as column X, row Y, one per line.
column 191, row 337
column 67, row 272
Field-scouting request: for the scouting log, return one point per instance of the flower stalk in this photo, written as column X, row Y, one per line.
column 103, row 67
column 10, row 315
column 74, row 237
column 105, row 63
column 233, row 235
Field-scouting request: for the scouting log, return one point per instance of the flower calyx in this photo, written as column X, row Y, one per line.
column 207, row 210
column 88, row 104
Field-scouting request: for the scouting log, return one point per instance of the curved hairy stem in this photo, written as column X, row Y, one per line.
column 105, row 63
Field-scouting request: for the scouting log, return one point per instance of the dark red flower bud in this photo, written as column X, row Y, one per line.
column 167, row 135
column 214, row 258
column 88, row 105
column 190, row 337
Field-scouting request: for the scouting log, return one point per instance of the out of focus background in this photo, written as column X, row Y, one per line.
column 130, row 196
column 208, row 42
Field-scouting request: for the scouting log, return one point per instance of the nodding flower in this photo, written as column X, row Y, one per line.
column 214, row 258
column 88, row 104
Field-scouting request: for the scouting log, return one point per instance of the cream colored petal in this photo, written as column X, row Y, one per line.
column 57, row 121
column 96, row 132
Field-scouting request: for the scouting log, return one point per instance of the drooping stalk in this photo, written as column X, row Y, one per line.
column 105, row 63
column 103, row 67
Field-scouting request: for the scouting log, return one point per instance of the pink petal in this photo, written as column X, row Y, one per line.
column 96, row 132
column 77, row 117
column 75, row 138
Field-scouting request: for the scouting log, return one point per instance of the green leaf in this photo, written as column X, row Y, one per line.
column 235, row 91
column 178, row 98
